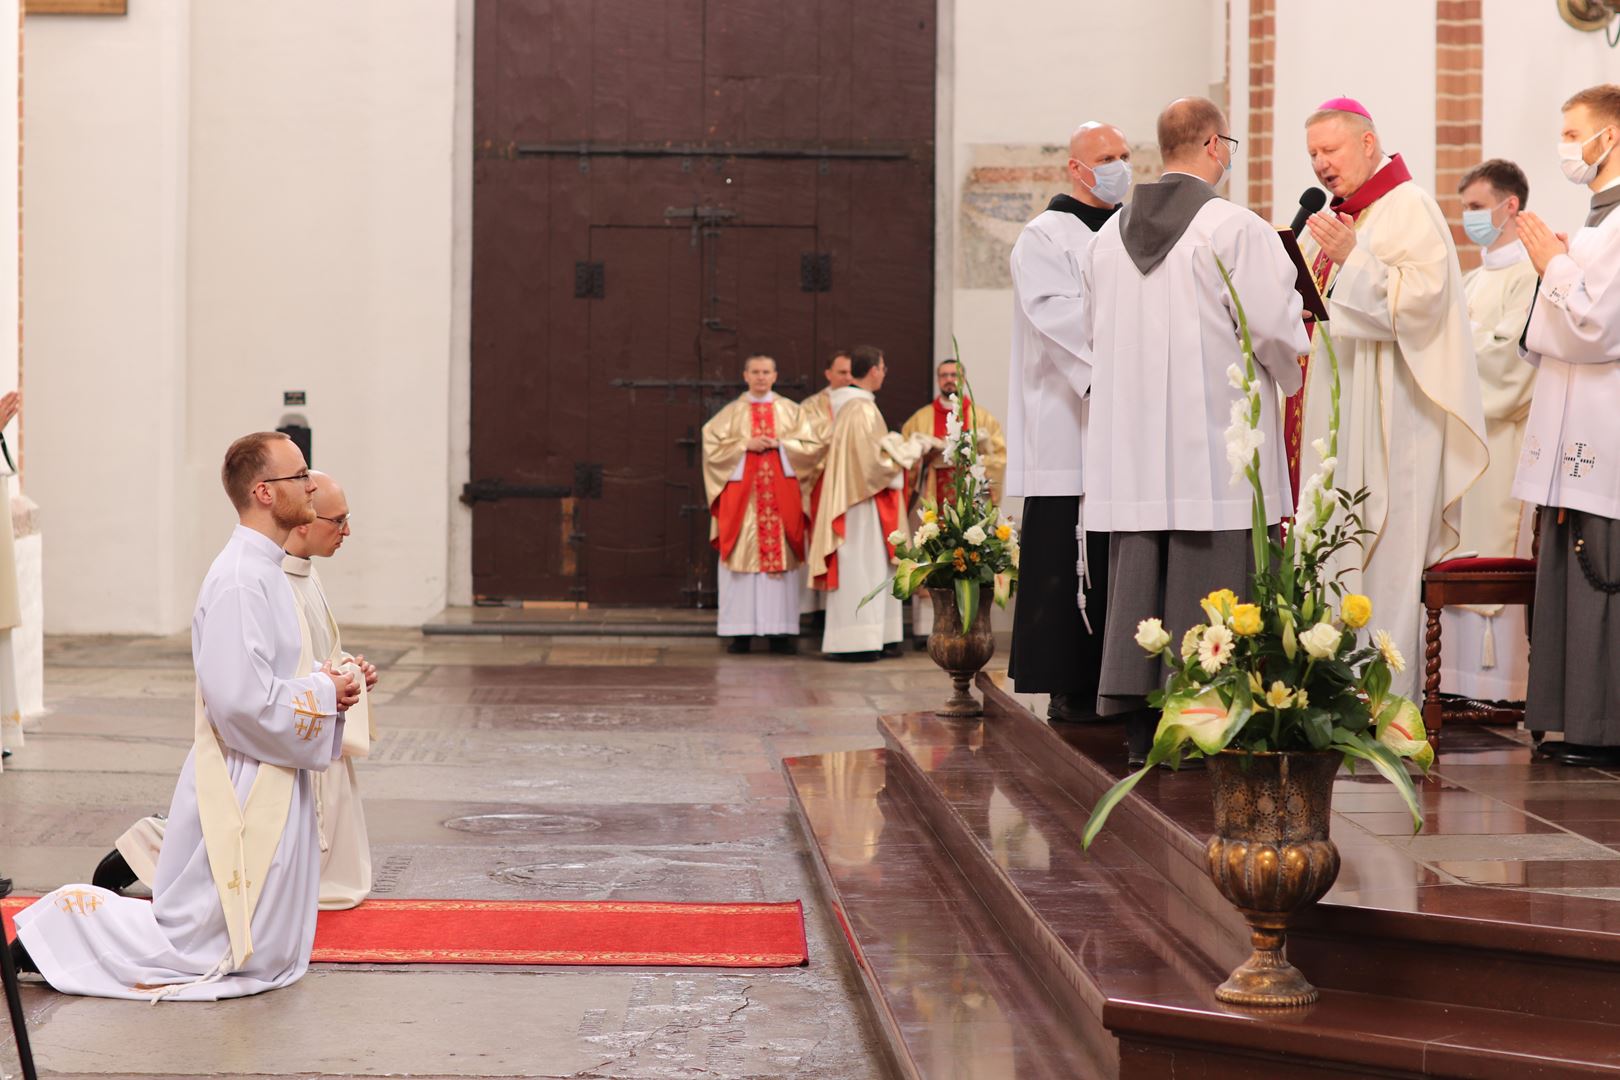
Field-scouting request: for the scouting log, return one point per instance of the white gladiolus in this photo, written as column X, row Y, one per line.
column 1320, row 446
column 1234, row 375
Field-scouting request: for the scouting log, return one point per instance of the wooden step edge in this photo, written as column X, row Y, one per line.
column 1075, row 1049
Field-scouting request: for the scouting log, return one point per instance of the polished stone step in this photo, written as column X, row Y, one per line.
column 947, row 989
column 1390, row 926
column 1130, row 940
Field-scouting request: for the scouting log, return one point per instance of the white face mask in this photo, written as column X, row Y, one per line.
column 1110, row 181
column 1576, row 168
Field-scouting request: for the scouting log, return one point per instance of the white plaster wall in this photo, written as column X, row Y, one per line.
column 459, row 383
column 105, row 287
column 1397, row 87
column 1523, row 92
column 229, row 200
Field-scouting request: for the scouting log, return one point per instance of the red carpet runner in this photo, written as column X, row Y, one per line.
column 593, row 933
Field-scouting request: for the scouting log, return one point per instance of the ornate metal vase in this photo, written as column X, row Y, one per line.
column 1271, row 856
column 961, row 655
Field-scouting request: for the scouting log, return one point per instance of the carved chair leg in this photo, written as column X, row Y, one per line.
column 1433, row 714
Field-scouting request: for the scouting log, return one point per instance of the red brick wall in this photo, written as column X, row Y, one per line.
column 1262, row 67
column 1458, row 96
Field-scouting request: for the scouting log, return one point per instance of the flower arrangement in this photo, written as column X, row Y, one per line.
column 1284, row 669
column 966, row 542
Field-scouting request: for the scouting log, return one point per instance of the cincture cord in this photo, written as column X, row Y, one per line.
column 1081, row 570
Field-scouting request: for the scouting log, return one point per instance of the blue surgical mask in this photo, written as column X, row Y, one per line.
column 1480, row 227
column 1111, row 180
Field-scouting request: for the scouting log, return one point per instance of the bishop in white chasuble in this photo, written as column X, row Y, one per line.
column 1412, row 426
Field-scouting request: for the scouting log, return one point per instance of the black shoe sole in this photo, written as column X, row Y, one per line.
column 113, row 873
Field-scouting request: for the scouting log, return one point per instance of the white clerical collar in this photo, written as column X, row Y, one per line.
column 297, row 564
column 770, row 395
column 259, row 543
column 1607, row 186
column 1506, row 255
column 853, row 391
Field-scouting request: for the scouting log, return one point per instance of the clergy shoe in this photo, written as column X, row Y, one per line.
column 784, row 645
column 893, row 650
column 1138, row 737
column 920, row 643
column 740, row 645
column 853, row 657
column 113, row 873
column 20, row 958
column 5, row 886
column 1074, row 709
column 1569, row 753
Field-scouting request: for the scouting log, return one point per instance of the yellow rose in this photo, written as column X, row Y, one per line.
column 1246, row 619
column 1218, row 605
column 929, row 517
column 1356, row 611
column 1004, row 532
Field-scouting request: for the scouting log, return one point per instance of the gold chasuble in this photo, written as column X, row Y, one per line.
column 938, row 481
column 863, row 456
column 818, row 413
column 756, row 509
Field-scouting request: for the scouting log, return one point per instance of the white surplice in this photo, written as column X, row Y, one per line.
column 1487, row 655
column 345, row 844
column 763, row 604
column 1571, row 451
column 1160, row 401
column 1046, row 379
column 246, row 647
column 1412, row 427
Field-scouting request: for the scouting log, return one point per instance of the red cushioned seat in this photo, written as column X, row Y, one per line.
column 1477, row 565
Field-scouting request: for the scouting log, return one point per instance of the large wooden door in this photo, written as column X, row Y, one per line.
column 661, row 189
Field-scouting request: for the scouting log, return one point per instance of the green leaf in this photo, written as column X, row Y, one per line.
column 967, row 601
column 1111, row 798
column 1390, row 767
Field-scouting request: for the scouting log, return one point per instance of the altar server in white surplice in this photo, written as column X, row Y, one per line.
column 1569, row 464
column 1160, row 336
column 234, row 903
column 1487, row 653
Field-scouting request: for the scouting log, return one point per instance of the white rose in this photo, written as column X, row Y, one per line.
column 1321, row 641
column 1152, row 636
column 974, row 535
column 897, row 538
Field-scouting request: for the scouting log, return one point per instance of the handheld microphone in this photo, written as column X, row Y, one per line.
column 1313, row 199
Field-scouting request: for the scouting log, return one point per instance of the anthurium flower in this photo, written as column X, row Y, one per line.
column 1246, row 619
column 1404, row 735
column 1356, row 610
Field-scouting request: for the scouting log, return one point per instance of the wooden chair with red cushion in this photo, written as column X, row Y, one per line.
column 1467, row 581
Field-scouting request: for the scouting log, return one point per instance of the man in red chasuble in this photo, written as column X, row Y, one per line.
column 1412, row 426
column 754, row 452
column 932, row 482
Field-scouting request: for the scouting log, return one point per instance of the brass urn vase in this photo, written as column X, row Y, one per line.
column 1271, row 856
column 961, row 655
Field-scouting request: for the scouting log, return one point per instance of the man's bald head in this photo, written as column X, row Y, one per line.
column 1093, row 144
column 323, row 536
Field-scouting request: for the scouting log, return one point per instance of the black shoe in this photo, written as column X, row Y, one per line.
column 893, row 651
column 740, row 645
column 784, row 645
column 1065, row 708
column 920, row 643
column 5, row 886
column 1577, row 754
column 1139, row 727
column 113, row 873
column 20, row 958
column 853, row 657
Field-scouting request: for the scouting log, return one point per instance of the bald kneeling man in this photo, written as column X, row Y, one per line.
column 345, row 847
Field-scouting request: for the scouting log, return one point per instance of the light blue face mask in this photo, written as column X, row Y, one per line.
column 1480, row 227
column 1110, row 181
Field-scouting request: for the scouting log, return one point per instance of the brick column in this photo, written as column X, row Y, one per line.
column 1262, row 67
column 1458, row 104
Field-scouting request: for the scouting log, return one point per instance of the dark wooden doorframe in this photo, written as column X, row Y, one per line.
column 797, row 143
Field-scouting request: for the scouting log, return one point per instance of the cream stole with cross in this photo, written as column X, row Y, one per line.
column 357, row 730
column 242, row 838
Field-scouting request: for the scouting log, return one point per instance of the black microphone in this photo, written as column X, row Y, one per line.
column 1310, row 202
